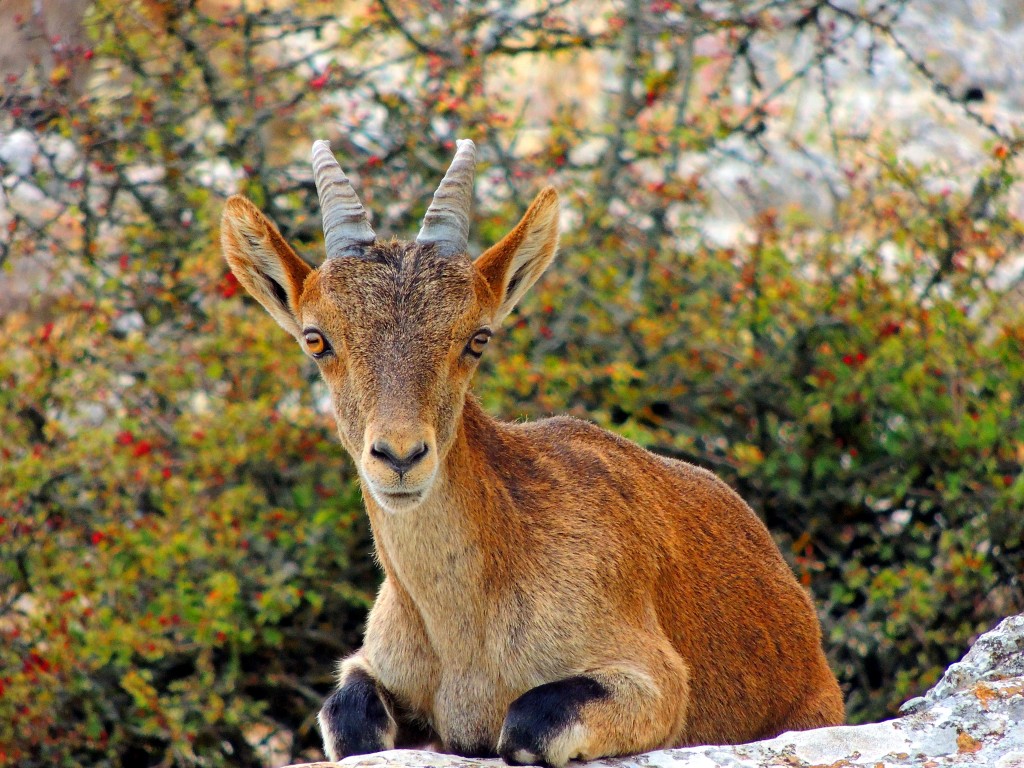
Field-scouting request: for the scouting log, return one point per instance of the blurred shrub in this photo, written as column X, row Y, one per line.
column 182, row 550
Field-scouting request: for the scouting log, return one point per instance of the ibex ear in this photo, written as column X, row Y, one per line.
column 514, row 264
column 263, row 262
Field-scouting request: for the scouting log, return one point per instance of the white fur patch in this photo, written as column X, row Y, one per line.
column 327, row 736
column 568, row 744
column 526, row 756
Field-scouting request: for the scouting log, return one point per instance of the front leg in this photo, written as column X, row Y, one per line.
column 545, row 715
column 616, row 710
column 356, row 719
column 383, row 690
column 362, row 716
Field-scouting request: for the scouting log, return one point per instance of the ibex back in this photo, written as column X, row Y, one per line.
column 551, row 591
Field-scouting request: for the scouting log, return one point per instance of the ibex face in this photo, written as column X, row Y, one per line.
column 396, row 328
column 402, row 329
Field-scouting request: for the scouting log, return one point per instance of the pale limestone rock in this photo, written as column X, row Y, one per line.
column 974, row 716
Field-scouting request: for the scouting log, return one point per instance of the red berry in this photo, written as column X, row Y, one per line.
column 228, row 287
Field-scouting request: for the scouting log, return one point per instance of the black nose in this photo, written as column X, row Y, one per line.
column 401, row 464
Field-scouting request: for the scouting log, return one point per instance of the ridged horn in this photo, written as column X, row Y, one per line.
column 446, row 221
column 347, row 229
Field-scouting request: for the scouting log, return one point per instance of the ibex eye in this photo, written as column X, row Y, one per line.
column 476, row 345
column 316, row 343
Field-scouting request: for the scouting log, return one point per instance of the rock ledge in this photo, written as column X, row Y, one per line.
column 974, row 716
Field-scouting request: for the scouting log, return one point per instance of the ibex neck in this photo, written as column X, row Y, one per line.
column 441, row 552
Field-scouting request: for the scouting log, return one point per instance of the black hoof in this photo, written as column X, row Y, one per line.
column 540, row 715
column 354, row 720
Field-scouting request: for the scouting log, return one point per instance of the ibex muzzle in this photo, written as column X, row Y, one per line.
column 398, row 462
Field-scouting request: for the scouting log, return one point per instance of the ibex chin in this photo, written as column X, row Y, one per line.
column 551, row 591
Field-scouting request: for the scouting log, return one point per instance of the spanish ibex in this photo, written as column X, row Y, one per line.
column 551, row 591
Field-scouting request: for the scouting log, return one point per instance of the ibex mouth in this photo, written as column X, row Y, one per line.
column 399, row 500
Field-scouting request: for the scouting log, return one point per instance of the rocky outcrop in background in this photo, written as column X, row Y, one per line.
column 974, row 716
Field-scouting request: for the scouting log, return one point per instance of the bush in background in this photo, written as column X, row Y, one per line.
column 183, row 554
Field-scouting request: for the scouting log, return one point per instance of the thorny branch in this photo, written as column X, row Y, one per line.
column 886, row 28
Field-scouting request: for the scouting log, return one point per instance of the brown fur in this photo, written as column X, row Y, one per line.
column 522, row 554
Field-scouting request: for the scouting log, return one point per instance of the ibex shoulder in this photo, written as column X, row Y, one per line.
column 568, row 437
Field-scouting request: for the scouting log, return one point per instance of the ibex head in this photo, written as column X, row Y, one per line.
column 396, row 328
